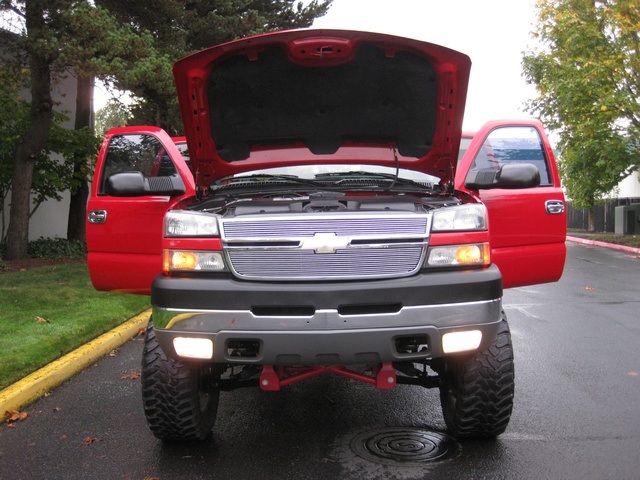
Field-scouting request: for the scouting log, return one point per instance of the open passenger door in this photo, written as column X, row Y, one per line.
column 527, row 224
column 139, row 175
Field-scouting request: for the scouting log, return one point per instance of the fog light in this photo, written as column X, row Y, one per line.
column 193, row 347
column 453, row 342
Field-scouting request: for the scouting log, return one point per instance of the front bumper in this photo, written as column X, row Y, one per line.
column 327, row 323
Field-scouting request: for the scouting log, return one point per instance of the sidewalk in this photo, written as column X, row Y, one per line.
column 34, row 386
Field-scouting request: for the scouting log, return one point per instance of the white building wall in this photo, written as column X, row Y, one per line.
column 51, row 217
column 629, row 187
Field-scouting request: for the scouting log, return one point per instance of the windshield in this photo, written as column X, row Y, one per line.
column 184, row 151
column 464, row 146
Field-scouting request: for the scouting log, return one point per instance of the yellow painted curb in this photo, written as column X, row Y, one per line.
column 35, row 385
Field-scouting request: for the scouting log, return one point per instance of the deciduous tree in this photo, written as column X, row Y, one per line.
column 586, row 69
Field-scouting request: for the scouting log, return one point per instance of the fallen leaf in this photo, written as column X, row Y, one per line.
column 12, row 416
column 42, row 320
column 113, row 353
column 130, row 376
column 89, row 440
column 589, row 289
column 141, row 331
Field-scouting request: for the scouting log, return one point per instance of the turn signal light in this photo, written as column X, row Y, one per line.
column 460, row 255
column 192, row 260
column 183, row 261
column 469, row 254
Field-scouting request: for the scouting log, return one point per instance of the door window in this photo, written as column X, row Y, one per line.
column 508, row 145
column 136, row 153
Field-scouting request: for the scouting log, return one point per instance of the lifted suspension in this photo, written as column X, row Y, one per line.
column 273, row 378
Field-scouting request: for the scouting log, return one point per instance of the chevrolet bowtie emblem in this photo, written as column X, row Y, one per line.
column 324, row 243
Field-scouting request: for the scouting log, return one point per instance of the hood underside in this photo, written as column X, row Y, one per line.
column 322, row 96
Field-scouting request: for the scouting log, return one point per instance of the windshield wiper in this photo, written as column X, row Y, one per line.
column 329, row 182
column 249, row 183
column 265, row 177
column 391, row 180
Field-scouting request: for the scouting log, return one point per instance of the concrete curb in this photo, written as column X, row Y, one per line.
column 37, row 384
column 595, row 243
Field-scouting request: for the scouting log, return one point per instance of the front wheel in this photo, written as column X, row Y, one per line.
column 477, row 393
column 180, row 400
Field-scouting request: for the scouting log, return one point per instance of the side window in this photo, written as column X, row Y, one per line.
column 508, row 145
column 136, row 153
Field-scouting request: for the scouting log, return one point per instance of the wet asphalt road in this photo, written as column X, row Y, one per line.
column 576, row 415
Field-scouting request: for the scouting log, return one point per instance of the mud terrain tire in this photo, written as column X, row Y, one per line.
column 477, row 393
column 180, row 400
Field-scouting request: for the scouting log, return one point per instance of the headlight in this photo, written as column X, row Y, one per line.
column 189, row 261
column 472, row 216
column 182, row 223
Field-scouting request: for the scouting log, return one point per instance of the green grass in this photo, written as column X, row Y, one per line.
column 628, row 240
column 74, row 312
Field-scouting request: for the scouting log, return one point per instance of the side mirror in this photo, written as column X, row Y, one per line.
column 135, row 184
column 513, row 176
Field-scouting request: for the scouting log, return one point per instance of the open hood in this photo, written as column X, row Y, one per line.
column 322, row 96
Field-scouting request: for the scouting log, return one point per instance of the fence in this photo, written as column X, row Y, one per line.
column 603, row 215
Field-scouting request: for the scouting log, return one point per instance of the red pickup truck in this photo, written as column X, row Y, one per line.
column 332, row 217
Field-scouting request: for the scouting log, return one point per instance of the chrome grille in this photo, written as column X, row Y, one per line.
column 342, row 227
column 306, row 264
column 325, row 246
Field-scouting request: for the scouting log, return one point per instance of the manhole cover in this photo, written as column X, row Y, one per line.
column 403, row 446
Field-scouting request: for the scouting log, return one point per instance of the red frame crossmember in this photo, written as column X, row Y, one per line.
column 273, row 378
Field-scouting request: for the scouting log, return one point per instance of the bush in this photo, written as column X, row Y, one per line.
column 57, row 248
